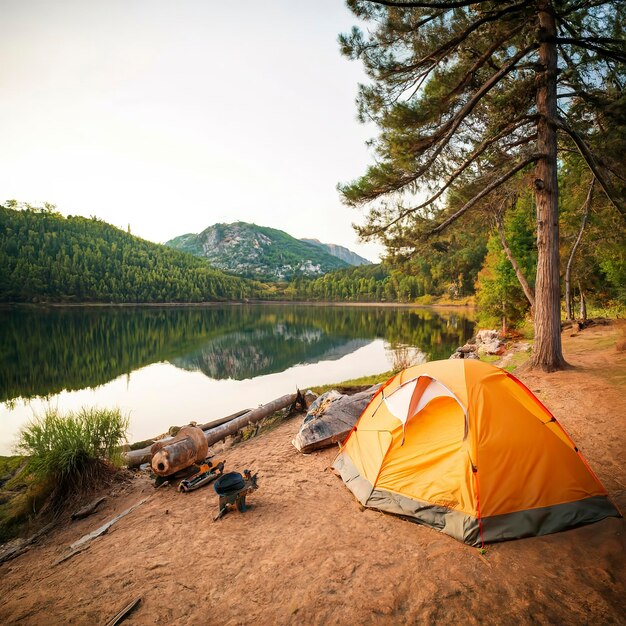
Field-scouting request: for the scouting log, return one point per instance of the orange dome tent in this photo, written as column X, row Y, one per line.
column 466, row 448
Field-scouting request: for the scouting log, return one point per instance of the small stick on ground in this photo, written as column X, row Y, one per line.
column 121, row 616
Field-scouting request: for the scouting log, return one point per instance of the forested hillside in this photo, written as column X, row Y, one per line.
column 446, row 267
column 47, row 257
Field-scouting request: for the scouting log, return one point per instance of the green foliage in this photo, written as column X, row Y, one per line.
column 599, row 266
column 47, row 257
column 20, row 496
column 498, row 291
column 612, row 262
column 257, row 252
column 448, row 269
column 62, row 447
column 453, row 90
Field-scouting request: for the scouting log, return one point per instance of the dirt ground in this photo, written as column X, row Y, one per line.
column 307, row 553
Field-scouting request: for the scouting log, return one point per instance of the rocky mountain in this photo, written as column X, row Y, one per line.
column 258, row 252
column 352, row 258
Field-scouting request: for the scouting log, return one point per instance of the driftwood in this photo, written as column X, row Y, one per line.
column 221, row 432
column 105, row 527
column 121, row 616
column 223, row 420
column 22, row 546
column 135, row 458
column 83, row 543
column 88, row 509
column 334, row 422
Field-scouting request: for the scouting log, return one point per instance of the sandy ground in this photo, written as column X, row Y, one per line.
column 307, row 553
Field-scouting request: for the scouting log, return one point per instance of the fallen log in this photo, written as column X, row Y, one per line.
column 23, row 545
column 221, row 432
column 83, row 543
column 228, row 426
column 223, row 420
column 134, row 458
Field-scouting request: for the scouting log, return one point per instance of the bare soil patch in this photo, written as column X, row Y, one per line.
column 307, row 553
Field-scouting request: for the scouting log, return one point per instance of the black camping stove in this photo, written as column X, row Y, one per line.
column 232, row 488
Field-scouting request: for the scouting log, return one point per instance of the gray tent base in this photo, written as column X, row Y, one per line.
column 466, row 528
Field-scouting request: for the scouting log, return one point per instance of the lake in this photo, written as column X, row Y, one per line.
column 167, row 366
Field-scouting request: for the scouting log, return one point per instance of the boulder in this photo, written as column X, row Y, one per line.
column 488, row 342
column 330, row 418
column 468, row 351
column 491, row 347
column 485, row 336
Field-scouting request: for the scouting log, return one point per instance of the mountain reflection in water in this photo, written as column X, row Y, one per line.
column 44, row 351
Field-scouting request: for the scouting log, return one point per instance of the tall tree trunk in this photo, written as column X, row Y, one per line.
column 528, row 292
column 569, row 307
column 548, row 353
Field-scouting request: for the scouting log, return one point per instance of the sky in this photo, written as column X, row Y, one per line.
column 173, row 115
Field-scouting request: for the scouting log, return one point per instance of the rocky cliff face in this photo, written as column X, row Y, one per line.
column 352, row 258
column 258, row 252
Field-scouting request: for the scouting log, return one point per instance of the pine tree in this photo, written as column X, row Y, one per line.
column 471, row 95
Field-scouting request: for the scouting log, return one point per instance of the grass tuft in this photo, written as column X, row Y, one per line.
column 65, row 447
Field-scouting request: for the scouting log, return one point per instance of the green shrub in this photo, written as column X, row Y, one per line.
column 63, row 447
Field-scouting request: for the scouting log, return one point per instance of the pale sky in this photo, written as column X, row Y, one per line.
column 172, row 115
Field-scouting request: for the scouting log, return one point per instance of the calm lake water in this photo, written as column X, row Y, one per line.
column 171, row 365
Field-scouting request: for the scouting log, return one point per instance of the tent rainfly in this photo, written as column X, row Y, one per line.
column 466, row 448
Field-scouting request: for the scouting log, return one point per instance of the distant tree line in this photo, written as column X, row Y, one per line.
column 446, row 267
column 47, row 257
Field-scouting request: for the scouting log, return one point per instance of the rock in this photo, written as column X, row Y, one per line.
column 491, row 347
column 467, row 348
column 488, row 342
column 330, row 418
column 485, row 336
column 468, row 351
column 485, row 342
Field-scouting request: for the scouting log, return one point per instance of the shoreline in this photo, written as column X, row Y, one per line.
column 208, row 304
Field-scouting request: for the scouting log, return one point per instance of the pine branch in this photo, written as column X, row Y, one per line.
column 486, row 191
column 584, row 4
column 455, row 175
column 615, row 55
column 594, row 166
column 452, row 125
column 442, row 136
column 482, row 59
column 445, row 49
